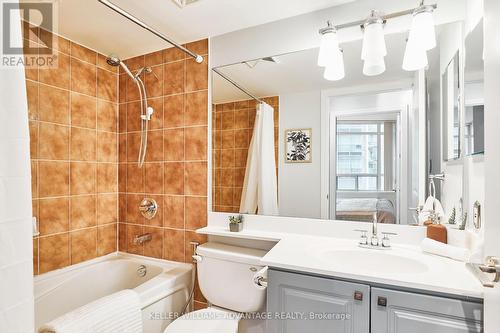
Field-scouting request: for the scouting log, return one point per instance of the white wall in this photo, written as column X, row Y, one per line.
column 299, row 183
column 16, row 252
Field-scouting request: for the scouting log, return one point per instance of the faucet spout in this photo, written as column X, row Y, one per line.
column 374, row 224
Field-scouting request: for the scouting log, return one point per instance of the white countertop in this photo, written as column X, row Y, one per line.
column 316, row 255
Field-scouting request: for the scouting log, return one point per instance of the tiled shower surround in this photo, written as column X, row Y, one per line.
column 232, row 128
column 85, row 137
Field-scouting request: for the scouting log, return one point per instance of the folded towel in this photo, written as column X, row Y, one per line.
column 116, row 313
column 434, row 247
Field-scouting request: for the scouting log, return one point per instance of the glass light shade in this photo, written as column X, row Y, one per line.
column 372, row 67
column 373, row 42
column 423, row 33
column 335, row 70
column 328, row 49
column 415, row 57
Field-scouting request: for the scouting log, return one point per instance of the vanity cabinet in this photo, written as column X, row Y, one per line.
column 339, row 302
column 403, row 312
column 364, row 308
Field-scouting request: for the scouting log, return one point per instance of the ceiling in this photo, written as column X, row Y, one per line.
column 92, row 24
column 298, row 72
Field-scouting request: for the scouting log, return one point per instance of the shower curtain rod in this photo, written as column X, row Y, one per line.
column 237, row 85
column 198, row 58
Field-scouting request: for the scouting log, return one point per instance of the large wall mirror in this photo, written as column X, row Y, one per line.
column 340, row 150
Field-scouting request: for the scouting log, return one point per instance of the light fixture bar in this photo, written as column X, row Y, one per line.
column 361, row 23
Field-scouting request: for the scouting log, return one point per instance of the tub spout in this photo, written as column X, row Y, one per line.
column 141, row 239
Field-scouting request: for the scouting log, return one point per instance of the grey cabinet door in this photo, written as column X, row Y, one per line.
column 403, row 312
column 307, row 304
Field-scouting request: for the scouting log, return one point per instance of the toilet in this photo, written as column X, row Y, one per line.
column 226, row 278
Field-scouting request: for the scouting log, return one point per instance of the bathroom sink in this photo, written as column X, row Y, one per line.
column 372, row 261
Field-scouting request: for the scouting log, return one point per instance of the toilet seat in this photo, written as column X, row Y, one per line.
column 209, row 320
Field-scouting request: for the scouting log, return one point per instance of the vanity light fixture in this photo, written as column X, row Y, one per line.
column 423, row 32
column 330, row 55
column 373, row 49
column 415, row 57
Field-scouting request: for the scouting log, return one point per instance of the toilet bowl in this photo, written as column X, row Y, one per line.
column 226, row 279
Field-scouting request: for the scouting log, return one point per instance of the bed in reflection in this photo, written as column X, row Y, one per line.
column 362, row 209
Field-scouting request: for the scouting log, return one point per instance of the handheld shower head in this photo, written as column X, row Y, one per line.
column 113, row 60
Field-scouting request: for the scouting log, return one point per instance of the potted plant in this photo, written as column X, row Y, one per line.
column 235, row 223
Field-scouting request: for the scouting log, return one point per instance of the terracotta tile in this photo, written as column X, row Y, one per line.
column 173, row 77
column 107, row 85
column 135, row 178
column 30, row 31
column 216, row 158
column 132, row 232
column 196, row 75
column 53, row 142
column 154, row 82
column 132, row 91
column 59, row 75
column 239, row 105
column 156, row 121
column 157, row 220
column 173, row 54
column 154, row 178
column 196, row 178
column 83, row 110
column 200, row 46
column 122, row 177
column 83, row 178
column 107, row 208
column 83, row 212
column 106, row 239
column 54, row 252
column 216, row 194
column 53, row 105
column 196, row 108
column 173, row 111
column 122, row 88
column 135, row 62
column 122, row 237
column 32, row 95
column 241, row 138
column 133, row 116
column 154, row 150
column 173, row 216
column 217, row 120
column 133, row 145
column 107, row 116
column 239, row 177
column 198, row 296
column 227, row 177
column 153, row 58
column 34, row 134
column 58, row 43
column 83, row 77
column 226, row 196
column 35, row 256
column 173, row 245
column 241, row 119
column 53, row 179
column 82, row 53
column 200, row 305
column 31, row 67
column 154, row 248
column 122, row 147
column 83, row 245
column 102, row 62
column 227, row 158
column 217, row 139
column 34, row 179
column 53, row 216
column 83, row 144
column 196, row 212
column 174, row 178
column 173, row 144
column 192, row 236
column 107, row 147
column 228, row 120
column 237, row 197
column 133, row 214
column 228, row 138
column 122, row 118
column 107, row 178
column 196, row 143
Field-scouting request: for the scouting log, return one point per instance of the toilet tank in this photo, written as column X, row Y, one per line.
column 225, row 276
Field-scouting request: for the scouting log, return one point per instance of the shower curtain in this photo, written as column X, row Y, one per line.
column 260, row 188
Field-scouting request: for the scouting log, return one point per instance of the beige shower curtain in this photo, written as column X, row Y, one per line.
column 260, row 188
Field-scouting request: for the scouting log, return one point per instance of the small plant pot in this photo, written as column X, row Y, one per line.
column 235, row 227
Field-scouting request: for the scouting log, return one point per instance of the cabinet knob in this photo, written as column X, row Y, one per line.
column 382, row 301
column 358, row 295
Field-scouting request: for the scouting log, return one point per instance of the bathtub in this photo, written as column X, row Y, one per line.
column 163, row 289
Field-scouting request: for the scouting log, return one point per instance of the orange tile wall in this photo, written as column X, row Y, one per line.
column 73, row 117
column 232, row 127
column 175, row 172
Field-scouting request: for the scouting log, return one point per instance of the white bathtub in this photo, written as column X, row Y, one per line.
column 163, row 290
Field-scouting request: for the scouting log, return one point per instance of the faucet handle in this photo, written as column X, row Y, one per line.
column 364, row 239
column 386, row 242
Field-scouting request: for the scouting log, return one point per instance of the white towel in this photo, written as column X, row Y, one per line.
column 116, row 313
column 434, row 247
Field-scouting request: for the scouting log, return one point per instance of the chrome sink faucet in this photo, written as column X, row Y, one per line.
column 373, row 242
column 374, row 237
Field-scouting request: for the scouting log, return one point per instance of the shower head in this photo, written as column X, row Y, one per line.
column 113, row 60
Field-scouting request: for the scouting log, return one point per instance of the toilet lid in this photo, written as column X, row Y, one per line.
column 208, row 320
